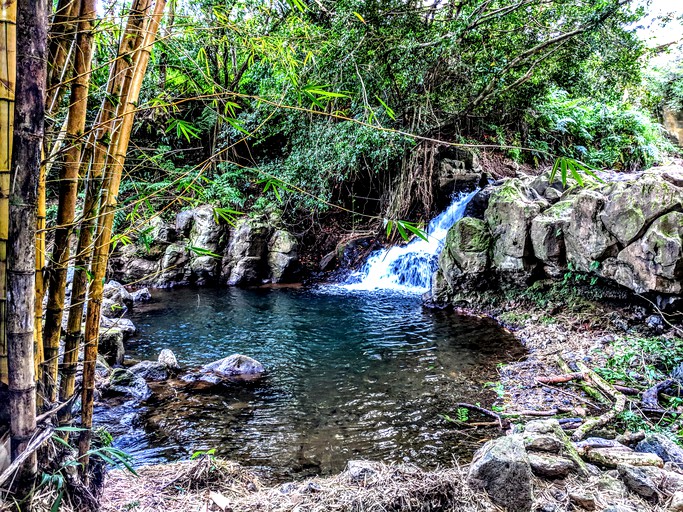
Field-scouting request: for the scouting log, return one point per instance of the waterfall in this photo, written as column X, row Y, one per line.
column 409, row 268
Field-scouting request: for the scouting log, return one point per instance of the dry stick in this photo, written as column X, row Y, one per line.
column 104, row 231
column 100, row 134
column 68, row 190
column 502, row 423
column 29, row 117
column 607, row 389
column 8, row 29
column 29, row 452
column 573, row 395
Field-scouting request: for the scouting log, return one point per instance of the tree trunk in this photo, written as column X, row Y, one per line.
column 101, row 133
column 8, row 34
column 68, row 189
column 105, row 222
column 29, row 117
column 61, row 40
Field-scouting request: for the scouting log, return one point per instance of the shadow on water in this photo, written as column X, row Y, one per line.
column 349, row 375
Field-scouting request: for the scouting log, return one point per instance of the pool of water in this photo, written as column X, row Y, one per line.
column 349, row 375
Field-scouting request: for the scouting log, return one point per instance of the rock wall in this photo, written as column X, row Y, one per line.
column 201, row 248
column 629, row 231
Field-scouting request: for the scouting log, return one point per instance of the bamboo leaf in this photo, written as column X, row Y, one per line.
column 357, row 15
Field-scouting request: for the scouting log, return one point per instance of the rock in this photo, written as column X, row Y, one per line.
column 586, row 239
column 329, row 261
column 183, row 223
column 168, row 358
column 132, row 265
column 102, row 368
column 283, row 257
column 173, row 265
column 501, row 467
column 582, row 499
column 509, row 217
column 245, row 262
column 113, row 309
column 125, row 325
column 361, row 471
column 469, row 241
column 477, row 206
column 206, row 232
column 150, row 370
column 653, row 263
column 235, row 365
column 638, row 480
column 676, row 504
column 542, row 443
column 550, row 466
column 620, row 508
column 633, row 205
column 142, row 295
column 160, row 231
column 547, row 237
column 126, row 383
column 205, row 268
column 111, row 345
column 663, row 447
column 115, row 291
column 457, row 171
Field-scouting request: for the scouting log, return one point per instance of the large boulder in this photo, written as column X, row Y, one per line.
column 632, row 206
column 173, row 265
column 133, row 265
column 235, row 366
column 160, row 231
column 283, row 256
column 662, row 446
column 245, row 262
column 464, row 258
column 111, row 345
column 586, row 239
column 509, row 214
column 117, row 293
column 653, row 263
column 547, row 237
column 501, row 468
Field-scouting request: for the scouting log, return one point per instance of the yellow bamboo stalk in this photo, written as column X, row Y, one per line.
column 101, row 133
column 104, row 230
column 68, row 189
column 61, row 37
column 8, row 31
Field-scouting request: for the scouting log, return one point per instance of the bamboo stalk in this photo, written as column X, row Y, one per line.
column 101, row 133
column 104, row 230
column 8, row 30
column 61, row 35
column 29, row 118
column 68, row 190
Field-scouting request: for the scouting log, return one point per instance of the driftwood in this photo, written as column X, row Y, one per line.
column 613, row 457
column 650, row 398
column 589, row 390
column 606, row 388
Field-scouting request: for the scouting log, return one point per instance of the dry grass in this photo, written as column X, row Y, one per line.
column 212, row 485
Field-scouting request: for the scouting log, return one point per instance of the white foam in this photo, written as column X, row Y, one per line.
column 408, row 268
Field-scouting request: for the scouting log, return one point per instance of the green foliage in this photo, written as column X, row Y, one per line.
column 590, row 133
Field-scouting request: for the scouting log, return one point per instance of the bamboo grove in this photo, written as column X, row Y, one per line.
column 46, row 65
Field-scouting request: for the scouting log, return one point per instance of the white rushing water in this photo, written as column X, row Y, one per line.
column 408, row 268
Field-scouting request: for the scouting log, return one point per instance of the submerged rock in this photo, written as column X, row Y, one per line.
column 124, row 382
column 235, row 366
column 142, row 295
column 150, row 370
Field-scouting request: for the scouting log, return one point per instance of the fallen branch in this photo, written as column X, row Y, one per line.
column 606, row 388
column 502, row 423
column 559, row 379
column 573, row 395
column 589, row 390
column 650, row 398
